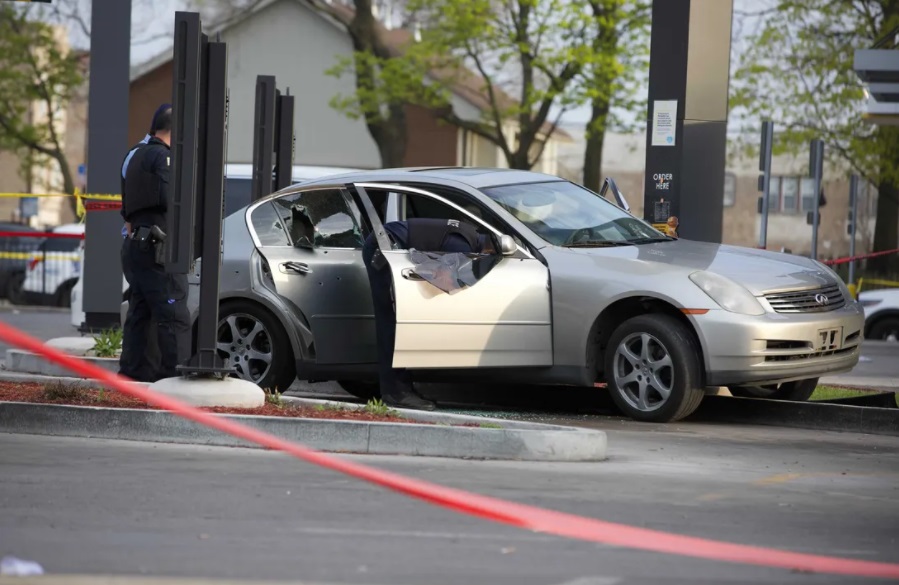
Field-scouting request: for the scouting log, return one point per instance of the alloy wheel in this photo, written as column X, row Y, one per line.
column 245, row 344
column 643, row 371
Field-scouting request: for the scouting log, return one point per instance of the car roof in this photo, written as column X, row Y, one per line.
column 298, row 172
column 477, row 177
column 69, row 228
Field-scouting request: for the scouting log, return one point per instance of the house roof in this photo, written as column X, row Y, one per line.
column 465, row 84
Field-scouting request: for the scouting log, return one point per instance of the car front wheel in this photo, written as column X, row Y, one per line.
column 797, row 391
column 652, row 369
column 886, row 329
column 254, row 344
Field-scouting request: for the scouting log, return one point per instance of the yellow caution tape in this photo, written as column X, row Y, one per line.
column 36, row 256
column 92, row 196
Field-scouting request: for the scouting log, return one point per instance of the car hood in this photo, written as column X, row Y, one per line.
column 760, row 271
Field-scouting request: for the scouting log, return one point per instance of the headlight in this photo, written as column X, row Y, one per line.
column 843, row 288
column 727, row 293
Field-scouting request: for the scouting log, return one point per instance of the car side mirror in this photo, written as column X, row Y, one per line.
column 507, row 245
column 620, row 201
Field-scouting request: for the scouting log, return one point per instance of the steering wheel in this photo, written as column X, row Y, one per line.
column 576, row 235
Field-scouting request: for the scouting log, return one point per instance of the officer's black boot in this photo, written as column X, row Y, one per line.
column 397, row 391
column 409, row 400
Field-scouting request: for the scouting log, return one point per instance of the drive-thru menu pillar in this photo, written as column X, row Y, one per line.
column 686, row 134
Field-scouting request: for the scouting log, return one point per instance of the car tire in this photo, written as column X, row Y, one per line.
column 650, row 355
column 14, row 292
column 884, row 329
column 246, row 330
column 796, row 391
column 359, row 389
column 63, row 295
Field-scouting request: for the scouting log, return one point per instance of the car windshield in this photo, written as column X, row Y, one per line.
column 566, row 214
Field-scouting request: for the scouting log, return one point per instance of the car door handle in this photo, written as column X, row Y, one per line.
column 410, row 274
column 300, row 267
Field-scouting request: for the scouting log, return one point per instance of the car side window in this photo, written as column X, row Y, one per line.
column 322, row 218
column 268, row 226
column 423, row 206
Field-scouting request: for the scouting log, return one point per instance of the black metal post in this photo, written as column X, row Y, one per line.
column 816, row 164
column 284, row 141
column 853, row 223
column 108, row 133
column 209, row 228
column 263, row 137
column 186, row 66
column 765, row 178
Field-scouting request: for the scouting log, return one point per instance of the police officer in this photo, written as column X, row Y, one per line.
column 155, row 294
column 150, row 366
column 426, row 235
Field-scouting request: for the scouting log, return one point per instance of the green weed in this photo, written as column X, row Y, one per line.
column 108, row 343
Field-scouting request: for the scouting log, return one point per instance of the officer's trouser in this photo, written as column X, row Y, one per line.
column 155, row 297
column 393, row 382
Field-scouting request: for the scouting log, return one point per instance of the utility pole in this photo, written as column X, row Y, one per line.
column 816, row 168
column 765, row 178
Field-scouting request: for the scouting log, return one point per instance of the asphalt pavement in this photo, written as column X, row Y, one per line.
column 41, row 322
column 116, row 507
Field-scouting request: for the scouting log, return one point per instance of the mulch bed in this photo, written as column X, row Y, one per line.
column 80, row 396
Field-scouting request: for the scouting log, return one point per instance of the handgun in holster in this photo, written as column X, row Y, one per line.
column 159, row 241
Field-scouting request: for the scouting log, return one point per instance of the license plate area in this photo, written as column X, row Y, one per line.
column 829, row 339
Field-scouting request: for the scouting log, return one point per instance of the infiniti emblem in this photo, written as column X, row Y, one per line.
column 821, row 299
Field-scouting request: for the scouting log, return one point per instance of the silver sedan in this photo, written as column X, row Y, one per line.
column 583, row 293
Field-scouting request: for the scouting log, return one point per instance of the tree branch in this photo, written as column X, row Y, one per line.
column 494, row 104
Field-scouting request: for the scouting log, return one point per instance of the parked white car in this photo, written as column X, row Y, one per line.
column 54, row 268
column 881, row 313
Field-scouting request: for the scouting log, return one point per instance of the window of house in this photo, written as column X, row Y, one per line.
column 789, row 187
column 774, row 195
column 730, row 189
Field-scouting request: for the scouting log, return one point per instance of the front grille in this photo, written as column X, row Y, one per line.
column 807, row 301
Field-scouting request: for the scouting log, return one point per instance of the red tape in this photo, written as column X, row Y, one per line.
column 862, row 257
column 501, row 511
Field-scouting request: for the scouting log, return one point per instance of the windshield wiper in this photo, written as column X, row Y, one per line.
column 598, row 244
column 652, row 240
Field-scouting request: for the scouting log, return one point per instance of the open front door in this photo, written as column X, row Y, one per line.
column 503, row 320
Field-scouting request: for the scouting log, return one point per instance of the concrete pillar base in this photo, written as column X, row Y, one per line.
column 230, row 392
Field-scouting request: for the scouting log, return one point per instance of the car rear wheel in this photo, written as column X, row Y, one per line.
column 797, row 391
column 886, row 329
column 15, row 294
column 254, row 343
column 63, row 296
column 652, row 369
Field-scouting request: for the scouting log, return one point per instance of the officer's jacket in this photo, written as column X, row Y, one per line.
column 145, row 188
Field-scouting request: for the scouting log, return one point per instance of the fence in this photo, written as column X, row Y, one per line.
column 40, row 267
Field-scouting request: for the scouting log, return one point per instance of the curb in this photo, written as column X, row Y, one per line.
column 877, row 382
column 25, row 362
column 822, row 416
column 514, row 441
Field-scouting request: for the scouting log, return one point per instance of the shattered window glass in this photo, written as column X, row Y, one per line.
column 319, row 218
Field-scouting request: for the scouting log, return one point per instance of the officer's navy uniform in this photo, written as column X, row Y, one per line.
column 426, row 235
column 155, row 294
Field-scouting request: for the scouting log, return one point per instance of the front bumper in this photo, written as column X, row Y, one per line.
column 776, row 347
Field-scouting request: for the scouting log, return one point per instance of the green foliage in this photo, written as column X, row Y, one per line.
column 108, row 343
column 525, row 58
column 491, row 425
column 60, row 391
column 273, row 397
column 37, row 77
column 797, row 70
column 377, row 407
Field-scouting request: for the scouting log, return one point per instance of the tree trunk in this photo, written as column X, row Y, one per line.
column 391, row 138
column 519, row 159
column 886, row 224
column 596, row 136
